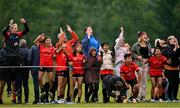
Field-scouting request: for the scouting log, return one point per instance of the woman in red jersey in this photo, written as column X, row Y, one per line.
column 77, row 60
column 64, row 50
column 46, row 63
column 156, row 63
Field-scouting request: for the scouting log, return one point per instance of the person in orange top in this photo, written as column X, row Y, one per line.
column 77, row 60
column 46, row 63
column 156, row 64
column 63, row 40
column 128, row 73
column 64, row 50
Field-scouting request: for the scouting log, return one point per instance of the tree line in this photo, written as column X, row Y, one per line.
column 159, row 18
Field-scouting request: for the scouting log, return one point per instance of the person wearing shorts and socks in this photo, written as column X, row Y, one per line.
column 67, row 44
column 77, row 61
column 128, row 74
column 47, row 52
column 156, row 64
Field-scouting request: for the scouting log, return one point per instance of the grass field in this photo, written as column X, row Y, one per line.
column 7, row 101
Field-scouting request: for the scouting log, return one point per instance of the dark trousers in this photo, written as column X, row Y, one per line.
column 91, row 90
column 104, row 90
column 24, row 82
column 173, row 78
column 13, row 73
column 68, row 84
column 36, row 84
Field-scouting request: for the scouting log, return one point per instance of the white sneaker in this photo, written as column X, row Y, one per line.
column 153, row 100
column 160, row 100
column 60, row 101
column 125, row 101
column 134, row 100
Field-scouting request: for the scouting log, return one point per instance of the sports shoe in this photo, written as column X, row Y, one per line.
column 125, row 100
column 1, row 101
column 35, row 102
column 60, row 101
column 160, row 100
column 134, row 100
column 13, row 101
column 153, row 100
column 19, row 102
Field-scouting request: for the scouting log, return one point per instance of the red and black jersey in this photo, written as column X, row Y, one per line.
column 129, row 71
column 61, row 61
column 78, row 65
column 12, row 41
column 46, row 55
column 156, row 65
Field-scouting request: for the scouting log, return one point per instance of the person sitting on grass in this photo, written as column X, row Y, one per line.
column 128, row 73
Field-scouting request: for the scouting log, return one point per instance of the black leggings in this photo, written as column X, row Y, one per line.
column 91, row 89
column 173, row 78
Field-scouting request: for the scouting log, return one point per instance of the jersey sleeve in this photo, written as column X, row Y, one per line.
column 136, row 67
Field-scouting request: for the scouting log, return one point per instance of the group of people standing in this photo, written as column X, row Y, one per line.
column 74, row 62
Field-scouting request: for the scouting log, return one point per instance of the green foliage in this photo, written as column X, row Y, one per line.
column 158, row 18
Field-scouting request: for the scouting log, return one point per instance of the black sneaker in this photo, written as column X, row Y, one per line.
column 68, row 99
column 26, row 101
column 13, row 101
column 35, row 102
column 1, row 101
column 19, row 102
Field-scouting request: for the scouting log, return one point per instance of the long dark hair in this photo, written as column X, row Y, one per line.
column 74, row 48
column 156, row 48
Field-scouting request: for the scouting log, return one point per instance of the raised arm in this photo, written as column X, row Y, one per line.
column 73, row 34
column 120, row 39
column 5, row 30
column 40, row 37
column 26, row 28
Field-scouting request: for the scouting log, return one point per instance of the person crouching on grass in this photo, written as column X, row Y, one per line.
column 46, row 61
column 77, row 60
column 128, row 73
column 114, row 83
column 156, row 63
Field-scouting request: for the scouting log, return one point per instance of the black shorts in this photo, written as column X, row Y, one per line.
column 62, row 73
column 44, row 69
column 156, row 76
column 77, row 75
column 132, row 82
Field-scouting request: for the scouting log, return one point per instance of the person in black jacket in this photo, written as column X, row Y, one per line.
column 2, row 70
column 24, row 52
column 171, row 68
column 13, row 58
column 114, row 83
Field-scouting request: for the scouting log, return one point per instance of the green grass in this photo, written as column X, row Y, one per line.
column 7, row 101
